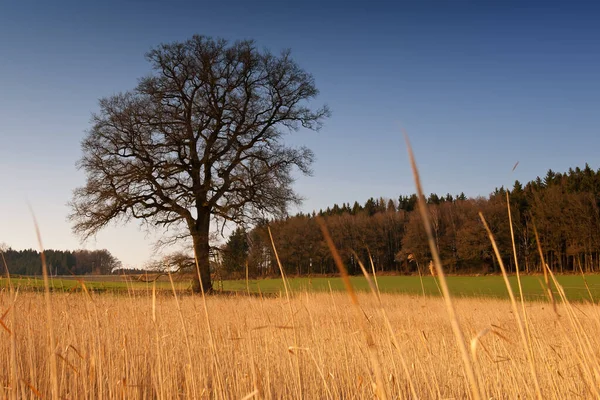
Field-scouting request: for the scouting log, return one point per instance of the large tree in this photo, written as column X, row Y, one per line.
column 198, row 140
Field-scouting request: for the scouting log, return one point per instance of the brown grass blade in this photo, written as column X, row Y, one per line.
column 525, row 342
column 68, row 363
column 379, row 384
column 291, row 311
column 388, row 324
column 5, row 327
column 33, row 389
column 50, row 324
column 460, row 339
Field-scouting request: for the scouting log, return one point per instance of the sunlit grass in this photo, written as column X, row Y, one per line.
column 111, row 347
column 460, row 286
column 116, row 284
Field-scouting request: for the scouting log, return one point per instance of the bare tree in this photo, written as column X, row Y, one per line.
column 198, row 140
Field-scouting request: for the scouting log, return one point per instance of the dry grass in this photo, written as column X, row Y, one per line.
column 303, row 345
column 112, row 347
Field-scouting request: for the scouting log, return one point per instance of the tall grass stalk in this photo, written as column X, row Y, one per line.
column 380, row 387
column 375, row 291
column 291, row 311
column 525, row 341
column 373, row 270
column 460, row 339
column 50, row 324
column 185, row 332
column 518, row 274
column 582, row 348
column 213, row 349
column 14, row 376
column 584, row 351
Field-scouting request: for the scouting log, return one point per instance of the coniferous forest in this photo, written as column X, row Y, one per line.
column 564, row 207
column 60, row 262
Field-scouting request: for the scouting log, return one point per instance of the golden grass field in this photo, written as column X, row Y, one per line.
column 312, row 346
column 304, row 345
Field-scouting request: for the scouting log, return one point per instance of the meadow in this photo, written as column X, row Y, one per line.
column 312, row 345
column 123, row 337
column 577, row 287
column 307, row 338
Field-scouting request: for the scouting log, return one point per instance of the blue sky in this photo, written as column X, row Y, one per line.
column 478, row 86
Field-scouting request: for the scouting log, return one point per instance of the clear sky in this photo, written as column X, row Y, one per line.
column 477, row 85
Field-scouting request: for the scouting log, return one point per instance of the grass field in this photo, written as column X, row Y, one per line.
column 128, row 339
column 460, row 286
column 313, row 346
column 107, row 283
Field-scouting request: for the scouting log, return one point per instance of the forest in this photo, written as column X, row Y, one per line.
column 59, row 262
column 563, row 207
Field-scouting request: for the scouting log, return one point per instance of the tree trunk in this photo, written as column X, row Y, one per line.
column 200, row 235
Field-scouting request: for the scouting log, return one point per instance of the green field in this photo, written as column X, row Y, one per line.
column 461, row 286
column 97, row 284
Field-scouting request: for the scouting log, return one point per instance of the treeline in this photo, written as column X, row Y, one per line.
column 60, row 262
column 564, row 207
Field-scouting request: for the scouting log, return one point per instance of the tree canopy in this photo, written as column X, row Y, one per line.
column 198, row 140
column 564, row 207
column 60, row 262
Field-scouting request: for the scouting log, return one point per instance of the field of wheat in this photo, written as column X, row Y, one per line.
column 314, row 345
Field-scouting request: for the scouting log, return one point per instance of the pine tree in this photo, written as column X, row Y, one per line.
column 391, row 207
column 356, row 208
column 235, row 253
